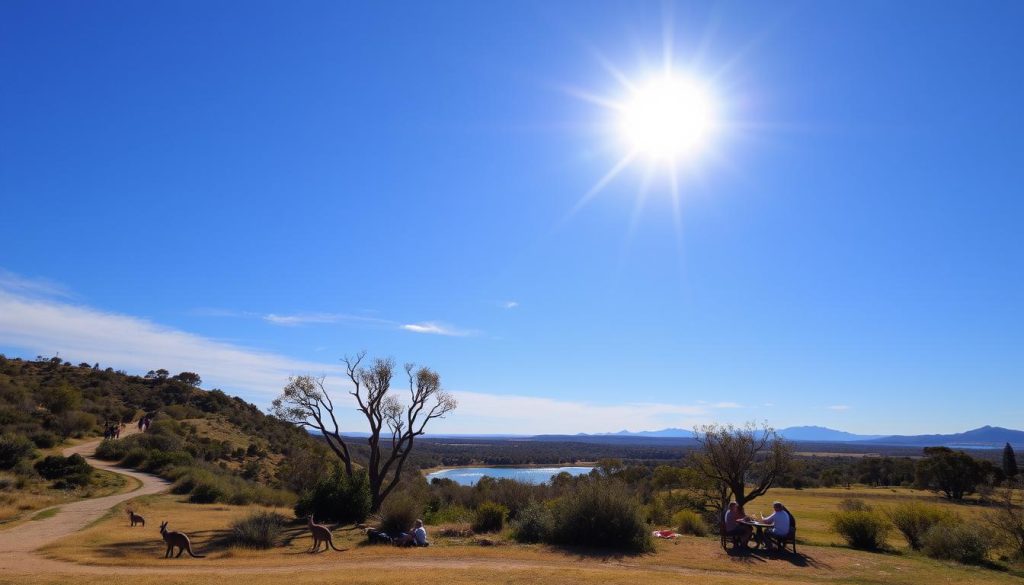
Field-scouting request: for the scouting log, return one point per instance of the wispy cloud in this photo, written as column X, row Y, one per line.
column 510, row 304
column 298, row 319
column 36, row 287
column 78, row 333
column 839, row 407
column 319, row 318
column 435, row 328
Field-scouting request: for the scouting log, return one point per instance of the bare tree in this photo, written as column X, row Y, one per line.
column 394, row 425
column 1008, row 517
column 737, row 458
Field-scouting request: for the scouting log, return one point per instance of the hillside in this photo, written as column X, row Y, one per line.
column 204, row 432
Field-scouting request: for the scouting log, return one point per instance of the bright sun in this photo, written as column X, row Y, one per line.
column 670, row 119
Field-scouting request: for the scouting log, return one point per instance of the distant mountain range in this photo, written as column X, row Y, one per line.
column 986, row 437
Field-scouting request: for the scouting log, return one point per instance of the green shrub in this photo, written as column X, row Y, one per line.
column 157, row 461
column 69, row 472
column 957, row 541
column 489, row 517
column 534, row 523
column 206, row 492
column 854, row 505
column 13, row 449
column 602, row 514
column 861, row 529
column 337, row 498
column 44, row 439
column 135, row 457
column 914, row 519
column 453, row 514
column 398, row 514
column 112, row 450
column 689, row 522
column 257, row 530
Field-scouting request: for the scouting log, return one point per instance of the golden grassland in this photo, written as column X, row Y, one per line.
column 19, row 504
column 110, row 542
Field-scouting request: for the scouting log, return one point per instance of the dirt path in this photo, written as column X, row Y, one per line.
column 18, row 542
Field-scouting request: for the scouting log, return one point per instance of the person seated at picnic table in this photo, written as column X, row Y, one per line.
column 733, row 526
column 779, row 521
column 417, row 537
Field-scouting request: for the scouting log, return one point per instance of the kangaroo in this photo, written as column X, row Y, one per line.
column 321, row 534
column 135, row 518
column 176, row 539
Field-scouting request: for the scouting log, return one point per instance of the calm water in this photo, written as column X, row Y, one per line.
column 470, row 475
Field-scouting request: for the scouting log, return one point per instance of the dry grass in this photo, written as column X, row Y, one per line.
column 111, row 543
column 18, row 505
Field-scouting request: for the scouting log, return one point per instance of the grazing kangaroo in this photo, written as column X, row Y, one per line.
column 136, row 519
column 322, row 534
column 176, row 539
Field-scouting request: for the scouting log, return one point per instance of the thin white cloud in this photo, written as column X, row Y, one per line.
column 435, row 328
column 34, row 287
column 84, row 334
column 319, row 318
column 839, row 407
column 510, row 305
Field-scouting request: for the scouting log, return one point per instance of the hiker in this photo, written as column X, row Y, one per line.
column 740, row 533
column 779, row 520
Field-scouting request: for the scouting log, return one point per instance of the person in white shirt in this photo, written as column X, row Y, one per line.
column 779, row 521
column 419, row 535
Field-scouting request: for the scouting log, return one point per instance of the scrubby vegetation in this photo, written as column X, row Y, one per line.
column 963, row 542
column 258, row 530
column 336, row 497
column 490, row 517
column 861, row 526
column 914, row 519
column 66, row 472
column 689, row 522
column 601, row 514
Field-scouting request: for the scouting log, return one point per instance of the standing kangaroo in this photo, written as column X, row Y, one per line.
column 176, row 539
column 322, row 534
column 135, row 518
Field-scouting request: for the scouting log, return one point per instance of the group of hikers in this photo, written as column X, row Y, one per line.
column 144, row 423
column 778, row 526
column 112, row 430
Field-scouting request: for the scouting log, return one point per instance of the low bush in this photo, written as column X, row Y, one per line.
column 454, row 514
column 602, row 514
column 207, row 492
column 534, row 523
column 257, row 530
column 13, row 449
column 112, row 450
column 44, row 439
column 957, row 541
column 337, row 498
column 689, row 522
column 854, row 505
column 861, row 529
column 914, row 519
column 489, row 517
column 399, row 514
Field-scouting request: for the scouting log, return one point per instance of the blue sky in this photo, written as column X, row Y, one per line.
column 253, row 190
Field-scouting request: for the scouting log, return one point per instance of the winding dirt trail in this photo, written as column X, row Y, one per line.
column 18, row 543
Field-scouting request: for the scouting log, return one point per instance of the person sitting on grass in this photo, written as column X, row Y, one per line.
column 779, row 521
column 417, row 537
column 740, row 533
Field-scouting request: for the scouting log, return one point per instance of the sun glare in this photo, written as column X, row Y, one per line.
column 670, row 119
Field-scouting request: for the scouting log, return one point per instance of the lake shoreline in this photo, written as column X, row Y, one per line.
column 427, row 471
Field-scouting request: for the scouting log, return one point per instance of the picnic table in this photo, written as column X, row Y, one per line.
column 759, row 527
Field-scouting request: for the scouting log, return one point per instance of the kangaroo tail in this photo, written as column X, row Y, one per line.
column 331, row 542
column 192, row 554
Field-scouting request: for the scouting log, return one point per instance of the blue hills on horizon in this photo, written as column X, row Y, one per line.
column 983, row 437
